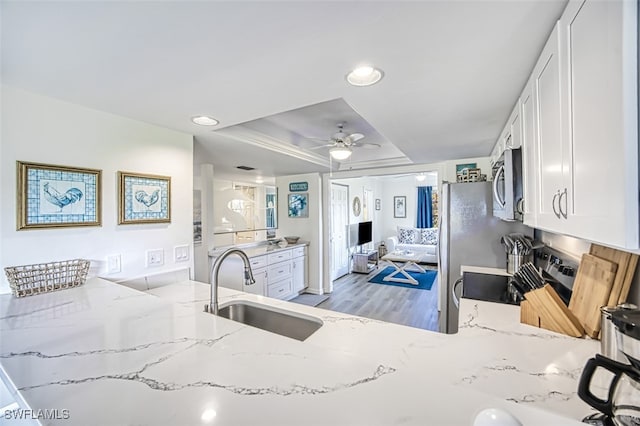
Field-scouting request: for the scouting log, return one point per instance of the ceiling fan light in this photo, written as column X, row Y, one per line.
column 364, row 76
column 340, row 152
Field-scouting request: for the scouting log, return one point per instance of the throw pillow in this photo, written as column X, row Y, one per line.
column 429, row 236
column 407, row 235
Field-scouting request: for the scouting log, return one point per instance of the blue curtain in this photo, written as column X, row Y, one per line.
column 425, row 215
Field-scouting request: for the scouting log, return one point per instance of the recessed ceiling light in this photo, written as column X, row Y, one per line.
column 364, row 76
column 204, row 120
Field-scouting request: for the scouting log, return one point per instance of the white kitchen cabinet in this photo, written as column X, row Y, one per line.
column 549, row 164
column 599, row 195
column 299, row 276
column 276, row 273
column 580, row 108
column 512, row 133
column 529, row 157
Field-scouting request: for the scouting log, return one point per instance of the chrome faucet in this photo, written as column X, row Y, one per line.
column 212, row 307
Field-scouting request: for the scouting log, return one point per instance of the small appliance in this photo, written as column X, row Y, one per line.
column 622, row 404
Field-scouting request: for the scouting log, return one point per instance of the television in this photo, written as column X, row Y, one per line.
column 364, row 232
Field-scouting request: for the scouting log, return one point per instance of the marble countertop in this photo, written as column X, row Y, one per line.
column 112, row 355
column 260, row 249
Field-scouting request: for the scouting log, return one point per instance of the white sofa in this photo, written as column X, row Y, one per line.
column 418, row 240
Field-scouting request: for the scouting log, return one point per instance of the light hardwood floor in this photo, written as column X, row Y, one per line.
column 353, row 294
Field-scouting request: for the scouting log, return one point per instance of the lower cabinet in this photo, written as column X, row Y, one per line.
column 281, row 274
column 299, row 276
column 282, row 289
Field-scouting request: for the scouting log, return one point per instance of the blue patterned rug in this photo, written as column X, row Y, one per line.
column 425, row 280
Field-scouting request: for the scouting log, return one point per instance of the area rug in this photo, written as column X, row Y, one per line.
column 310, row 299
column 425, row 279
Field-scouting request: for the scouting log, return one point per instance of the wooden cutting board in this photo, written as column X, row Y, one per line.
column 626, row 262
column 591, row 290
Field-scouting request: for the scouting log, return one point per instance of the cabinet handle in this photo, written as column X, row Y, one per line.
column 553, row 204
column 566, row 203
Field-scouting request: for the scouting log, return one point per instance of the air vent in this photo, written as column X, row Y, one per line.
column 245, row 168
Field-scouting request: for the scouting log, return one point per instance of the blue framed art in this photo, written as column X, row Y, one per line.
column 298, row 205
column 52, row 196
column 143, row 198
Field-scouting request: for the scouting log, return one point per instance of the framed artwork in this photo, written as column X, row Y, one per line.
column 377, row 203
column 52, row 196
column 299, row 205
column 143, row 198
column 400, row 206
column 461, row 167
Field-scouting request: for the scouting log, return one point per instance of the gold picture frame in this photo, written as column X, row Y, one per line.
column 53, row 196
column 143, row 198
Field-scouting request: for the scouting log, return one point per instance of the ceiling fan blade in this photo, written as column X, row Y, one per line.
column 368, row 145
column 356, row 137
column 321, row 146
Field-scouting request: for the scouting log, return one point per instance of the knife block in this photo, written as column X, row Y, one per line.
column 543, row 308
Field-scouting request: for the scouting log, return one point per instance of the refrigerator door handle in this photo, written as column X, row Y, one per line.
column 496, row 181
column 455, row 299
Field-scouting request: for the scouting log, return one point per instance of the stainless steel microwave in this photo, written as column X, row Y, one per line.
column 507, row 185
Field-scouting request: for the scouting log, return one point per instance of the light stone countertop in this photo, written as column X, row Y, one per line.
column 113, row 355
column 259, row 249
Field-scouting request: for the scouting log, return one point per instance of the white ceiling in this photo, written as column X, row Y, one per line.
column 453, row 71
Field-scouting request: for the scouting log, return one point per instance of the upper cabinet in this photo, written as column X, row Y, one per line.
column 600, row 121
column 551, row 165
column 579, row 116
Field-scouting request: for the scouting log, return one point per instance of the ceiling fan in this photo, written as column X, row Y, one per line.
column 341, row 143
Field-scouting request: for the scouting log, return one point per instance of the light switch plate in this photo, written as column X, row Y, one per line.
column 114, row 264
column 155, row 257
column 181, row 253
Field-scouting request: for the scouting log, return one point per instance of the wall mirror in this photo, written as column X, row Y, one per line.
column 241, row 207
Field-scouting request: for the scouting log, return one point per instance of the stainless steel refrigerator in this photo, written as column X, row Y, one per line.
column 469, row 235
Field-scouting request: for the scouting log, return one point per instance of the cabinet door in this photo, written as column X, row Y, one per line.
column 550, row 167
column 260, row 276
column 515, row 127
column 529, row 156
column 600, row 75
column 299, row 273
column 281, row 289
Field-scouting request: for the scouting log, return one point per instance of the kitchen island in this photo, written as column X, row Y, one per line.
column 112, row 355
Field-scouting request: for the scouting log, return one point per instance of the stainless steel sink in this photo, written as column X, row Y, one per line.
column 285, row 323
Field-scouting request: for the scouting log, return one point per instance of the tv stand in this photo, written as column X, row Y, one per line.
column 365, row 262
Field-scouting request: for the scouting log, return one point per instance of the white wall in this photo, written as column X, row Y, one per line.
column 44, row 130
column 308, row 229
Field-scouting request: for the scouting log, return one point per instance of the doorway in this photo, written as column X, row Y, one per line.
column 339, row 238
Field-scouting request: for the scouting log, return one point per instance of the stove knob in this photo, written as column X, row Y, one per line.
column 568, row 271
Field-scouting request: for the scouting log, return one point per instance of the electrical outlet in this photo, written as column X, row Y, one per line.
column 114, row 264
column 181, row 253
column 155, row 257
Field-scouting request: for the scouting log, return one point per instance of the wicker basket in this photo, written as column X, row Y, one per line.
column 28, row 280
